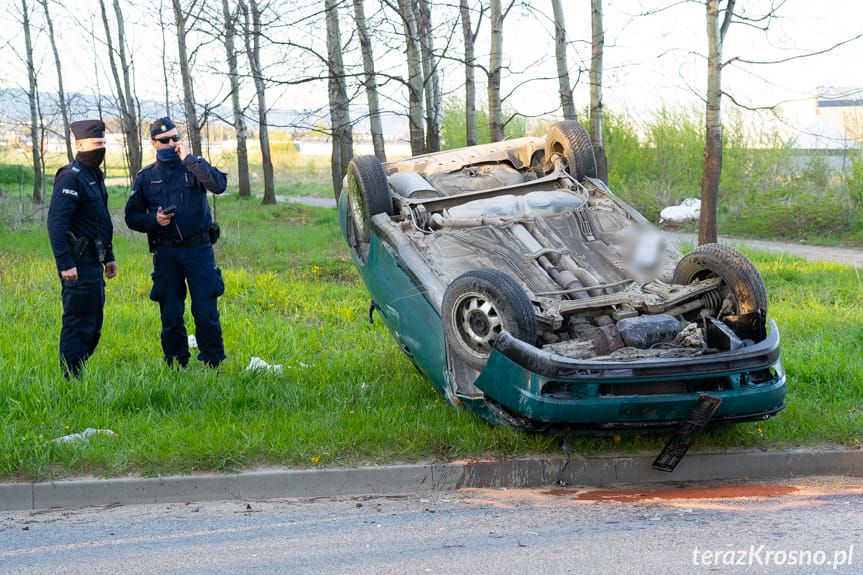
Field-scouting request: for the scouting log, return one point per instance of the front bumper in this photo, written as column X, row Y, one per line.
column 535, row 389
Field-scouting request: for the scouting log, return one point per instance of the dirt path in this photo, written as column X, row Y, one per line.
column 847, row 256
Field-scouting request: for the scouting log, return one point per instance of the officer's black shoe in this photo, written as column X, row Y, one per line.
column 212, row 364
column 171, row 361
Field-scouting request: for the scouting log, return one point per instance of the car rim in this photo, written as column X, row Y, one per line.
column 478, row 323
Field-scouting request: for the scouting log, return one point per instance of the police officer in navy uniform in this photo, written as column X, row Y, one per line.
column 81, row 232
column 169, row 204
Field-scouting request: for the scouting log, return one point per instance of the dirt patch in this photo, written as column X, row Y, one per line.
column 637, row 495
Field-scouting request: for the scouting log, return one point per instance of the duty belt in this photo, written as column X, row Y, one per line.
column 189, row 242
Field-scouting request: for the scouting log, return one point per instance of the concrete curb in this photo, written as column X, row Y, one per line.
column 424, row 478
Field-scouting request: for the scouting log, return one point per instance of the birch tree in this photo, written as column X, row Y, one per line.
column 230, row 19
column 564, row 86
column 431, row 84
column 61, row 95
column 597, row 49
column 192, row 130
column 252, row 41
column 415, row 78
column 125, row 98
column 469, row 35
column 33, row 95
column 716, row 31
column 495, row 107
column 370, row 81
column 340, row 119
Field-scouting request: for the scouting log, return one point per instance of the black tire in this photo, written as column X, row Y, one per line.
column 477, row 306
column 368, row 194
column 742, row 280
column 570, row 140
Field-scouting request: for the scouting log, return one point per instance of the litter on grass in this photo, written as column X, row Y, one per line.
column 258, row 363
column 192, row 341
column 82, row 435
column 689, row 209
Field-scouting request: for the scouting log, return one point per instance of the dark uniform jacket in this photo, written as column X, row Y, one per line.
column 79, row 204
column 181, row 184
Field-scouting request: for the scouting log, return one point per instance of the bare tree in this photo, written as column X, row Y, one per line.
column 707, row 232
column 340, row 119
column 370, row 81
column 433, row 98
column 564, row 86
column 597, row 49
column 192, row 130
column 415, row 78
column 495, row 109
column 239, row 120
column 128, row 116
column 33, row 94
column 252, row 40
column 61, row 95
column 469, row 35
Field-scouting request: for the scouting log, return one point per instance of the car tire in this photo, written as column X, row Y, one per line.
column 739, row 274
column 368, row 194
column 477, row 306
column 570, row 139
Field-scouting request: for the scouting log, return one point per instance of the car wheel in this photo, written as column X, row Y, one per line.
column 570, row 140
column 742, row 281
column 477, row 306
column 368, row 195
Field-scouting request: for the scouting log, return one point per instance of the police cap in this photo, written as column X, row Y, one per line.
column 161, row 126
column 84, row 129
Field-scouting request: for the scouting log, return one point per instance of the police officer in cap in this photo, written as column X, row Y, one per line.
column 81, row 232
column 169, row 204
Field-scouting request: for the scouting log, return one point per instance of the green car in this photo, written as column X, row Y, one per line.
column 529, row 293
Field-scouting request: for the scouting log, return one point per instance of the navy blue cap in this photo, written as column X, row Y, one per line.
column 161, row 126
column 84, row 129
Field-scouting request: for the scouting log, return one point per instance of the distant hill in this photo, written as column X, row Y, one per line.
column 15, row 113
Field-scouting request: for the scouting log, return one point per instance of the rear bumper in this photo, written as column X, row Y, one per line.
column 548, row 390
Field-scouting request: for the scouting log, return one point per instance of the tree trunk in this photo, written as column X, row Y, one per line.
column 245, row 189
column 564, row 86
column 340, row 119
column 495, row 113
column 133, row 140
column 164, row 60
column 61, row 95
column 597, row 47
column 32, row 94
column 128, row 123
column 469, row 74
column 415, row 79
column 370, row 83
column 252, row 37
column 710, row 176
column 192, row 131
column 432, row 85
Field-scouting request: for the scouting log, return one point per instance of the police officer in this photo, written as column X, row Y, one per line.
column 169, row 204
column 81, row 232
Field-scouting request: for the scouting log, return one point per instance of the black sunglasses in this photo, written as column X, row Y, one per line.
column 167, row 139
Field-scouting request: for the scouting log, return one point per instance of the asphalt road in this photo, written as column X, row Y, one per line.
column 801, row 526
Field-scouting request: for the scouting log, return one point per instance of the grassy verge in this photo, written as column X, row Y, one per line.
column 345, row 395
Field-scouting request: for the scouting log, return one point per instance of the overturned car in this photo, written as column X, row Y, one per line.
column 529, row 293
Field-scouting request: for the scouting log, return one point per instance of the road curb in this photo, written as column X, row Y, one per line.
column 424, row 478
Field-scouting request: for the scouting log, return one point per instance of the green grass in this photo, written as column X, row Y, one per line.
column 346, row 395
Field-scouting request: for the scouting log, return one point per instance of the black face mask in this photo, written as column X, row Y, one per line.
column 93, row 158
